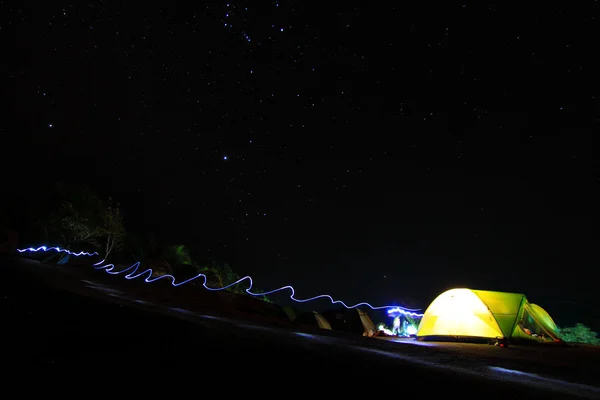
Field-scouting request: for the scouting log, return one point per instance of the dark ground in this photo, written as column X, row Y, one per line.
column 76, row 321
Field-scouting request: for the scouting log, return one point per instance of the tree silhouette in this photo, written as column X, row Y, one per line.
column 112, row 229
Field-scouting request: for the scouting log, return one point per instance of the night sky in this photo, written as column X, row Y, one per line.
column 373, row 152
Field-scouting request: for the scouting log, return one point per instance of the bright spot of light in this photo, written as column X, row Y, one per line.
column 381, row 327
column 306, row 335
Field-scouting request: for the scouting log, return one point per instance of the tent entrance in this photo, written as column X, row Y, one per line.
column 533, row 326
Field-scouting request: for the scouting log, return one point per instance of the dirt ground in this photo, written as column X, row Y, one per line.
column 77, row 319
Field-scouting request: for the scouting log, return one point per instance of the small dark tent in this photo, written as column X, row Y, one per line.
column 314, row 319
column 291, row 312
column 353, row 320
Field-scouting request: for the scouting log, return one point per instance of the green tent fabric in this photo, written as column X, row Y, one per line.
column 483, row 314
column 534, row 320
column 504, row 307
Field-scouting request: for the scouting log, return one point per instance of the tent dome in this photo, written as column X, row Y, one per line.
column 467, row 313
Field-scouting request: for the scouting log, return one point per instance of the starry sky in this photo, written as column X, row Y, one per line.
column 374, row 152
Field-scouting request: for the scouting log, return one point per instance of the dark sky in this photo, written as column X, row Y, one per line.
column 373, row 152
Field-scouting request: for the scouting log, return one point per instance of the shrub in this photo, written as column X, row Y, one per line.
column 579, row 334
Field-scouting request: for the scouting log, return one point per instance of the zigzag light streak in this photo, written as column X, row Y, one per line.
column 58, row 250
column 134, row 274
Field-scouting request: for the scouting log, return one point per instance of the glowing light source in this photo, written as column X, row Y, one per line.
column 402, row 310
column 411, row 330
column 132, row 273
column 57, row 249
column 381, row 327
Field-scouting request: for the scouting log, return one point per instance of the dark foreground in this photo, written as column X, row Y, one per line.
column 56, row 321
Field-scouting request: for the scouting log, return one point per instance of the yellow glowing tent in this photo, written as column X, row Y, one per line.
column 482, row 314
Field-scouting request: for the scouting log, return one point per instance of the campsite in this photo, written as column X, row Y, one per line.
column 241, row 327
column 486, row 315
